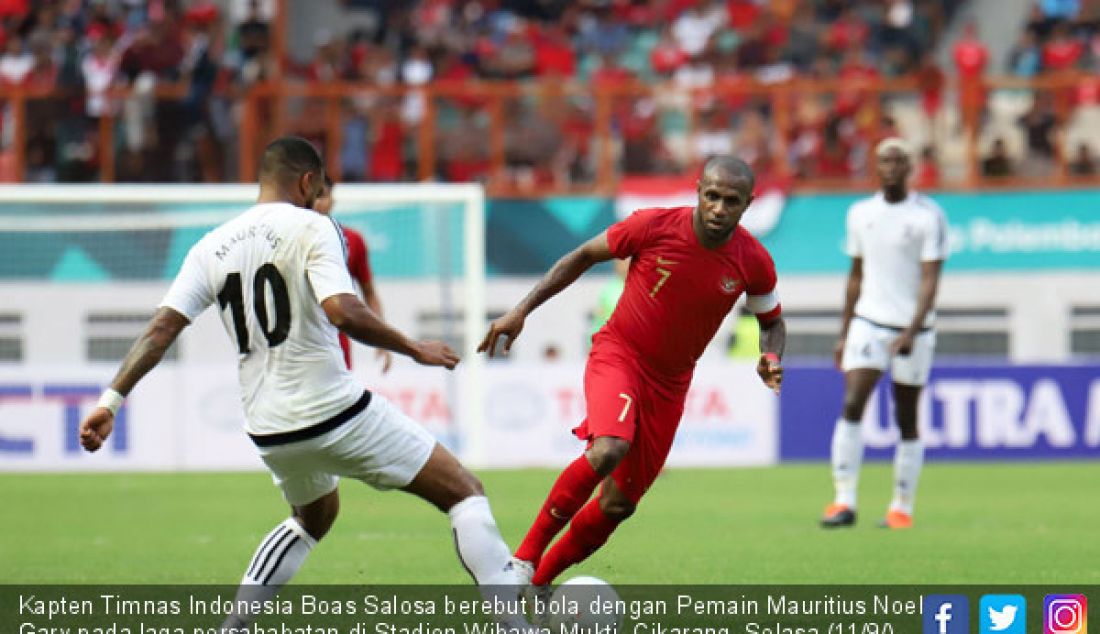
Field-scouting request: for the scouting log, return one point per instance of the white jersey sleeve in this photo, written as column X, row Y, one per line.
column 853, row 246
column 934, row 245
column 191, row 292
column 326, row 264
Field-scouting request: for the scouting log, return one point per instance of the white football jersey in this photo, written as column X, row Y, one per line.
column 269, row 269
column 893, row 239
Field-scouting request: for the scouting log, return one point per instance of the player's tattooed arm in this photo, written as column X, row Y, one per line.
column 773, row 341
column 143, row 356
column 149, row 349
column 566, row 271
column 558, row 278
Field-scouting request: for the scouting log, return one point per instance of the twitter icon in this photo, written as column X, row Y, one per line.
column 1003, row 614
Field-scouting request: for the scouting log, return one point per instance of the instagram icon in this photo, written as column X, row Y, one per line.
column 1065, row 614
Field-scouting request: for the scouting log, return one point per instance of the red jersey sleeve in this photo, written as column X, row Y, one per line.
column 364, row 271
column 762, row 277
column 762, row 300
column 627, row 236
column 358, row 263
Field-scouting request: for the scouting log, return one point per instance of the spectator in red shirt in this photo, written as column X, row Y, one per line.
column 854, row 75
column 834, row 159
column 554, row 56
column 667, row 56
column 463, row 150
column 1087, row 91
column 846, row 32
column 387, row 162
column 742, row 13
column 1062, row 52
column 43, row 72
column 452, row 72
column 930, row 82
column 971, row 58
column 971, row 55
column 928, row 173
column 14, row 8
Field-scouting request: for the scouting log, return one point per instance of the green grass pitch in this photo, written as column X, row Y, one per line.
column 976, row 523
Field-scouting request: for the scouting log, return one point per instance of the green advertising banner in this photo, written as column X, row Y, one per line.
column 989, row 231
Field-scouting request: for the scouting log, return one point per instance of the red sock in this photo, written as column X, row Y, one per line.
column 572, row 489
column 589, row 530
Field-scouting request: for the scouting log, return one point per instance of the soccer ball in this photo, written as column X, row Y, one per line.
column 585, row 605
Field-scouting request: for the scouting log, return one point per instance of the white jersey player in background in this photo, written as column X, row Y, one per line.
column 897, row 240
column 278, row 275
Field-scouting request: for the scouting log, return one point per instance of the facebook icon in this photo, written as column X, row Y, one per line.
column 946, row 614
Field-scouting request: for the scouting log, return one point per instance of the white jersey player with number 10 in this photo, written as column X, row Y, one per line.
column 269, row 269
column 278, row 277
column 897, row 240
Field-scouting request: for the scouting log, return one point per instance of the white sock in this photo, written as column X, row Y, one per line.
column 908, row 460
column 281, row 553
column 480, row 547
column 847, row 458
column 486, row 557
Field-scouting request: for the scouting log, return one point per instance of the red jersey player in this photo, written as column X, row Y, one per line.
column 359, row 267
column 688, row 268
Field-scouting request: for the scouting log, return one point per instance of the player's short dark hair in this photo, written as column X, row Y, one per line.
column 289, row 157
column 329, row 184
column 729, row 167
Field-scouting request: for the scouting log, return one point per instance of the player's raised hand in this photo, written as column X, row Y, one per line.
column 95, row 428
column 509, row 326
column 770, row 370
column 435, row 353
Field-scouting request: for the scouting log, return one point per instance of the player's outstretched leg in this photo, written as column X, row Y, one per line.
column 908, row 458
column 571, row 490
column 445, row 483
column 847, row 447
column 281, row 553
column 589, row 530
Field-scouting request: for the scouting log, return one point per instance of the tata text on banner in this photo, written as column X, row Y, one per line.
column 189, row 417
column 967, row 412
column 729, row 418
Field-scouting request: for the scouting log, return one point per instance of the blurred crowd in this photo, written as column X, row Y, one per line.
column 74, row 56
column 1059, row 38
column 206, row 54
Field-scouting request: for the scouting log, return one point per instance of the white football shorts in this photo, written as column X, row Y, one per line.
column 868, row 346
column 380, row 446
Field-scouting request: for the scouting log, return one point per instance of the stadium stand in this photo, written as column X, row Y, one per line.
column 537, row 97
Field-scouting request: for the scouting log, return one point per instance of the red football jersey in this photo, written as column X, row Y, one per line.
column 677, row 291
column 359, row 267
column 358, row 262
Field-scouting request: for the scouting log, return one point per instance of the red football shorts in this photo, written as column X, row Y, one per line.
column 625, row 400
